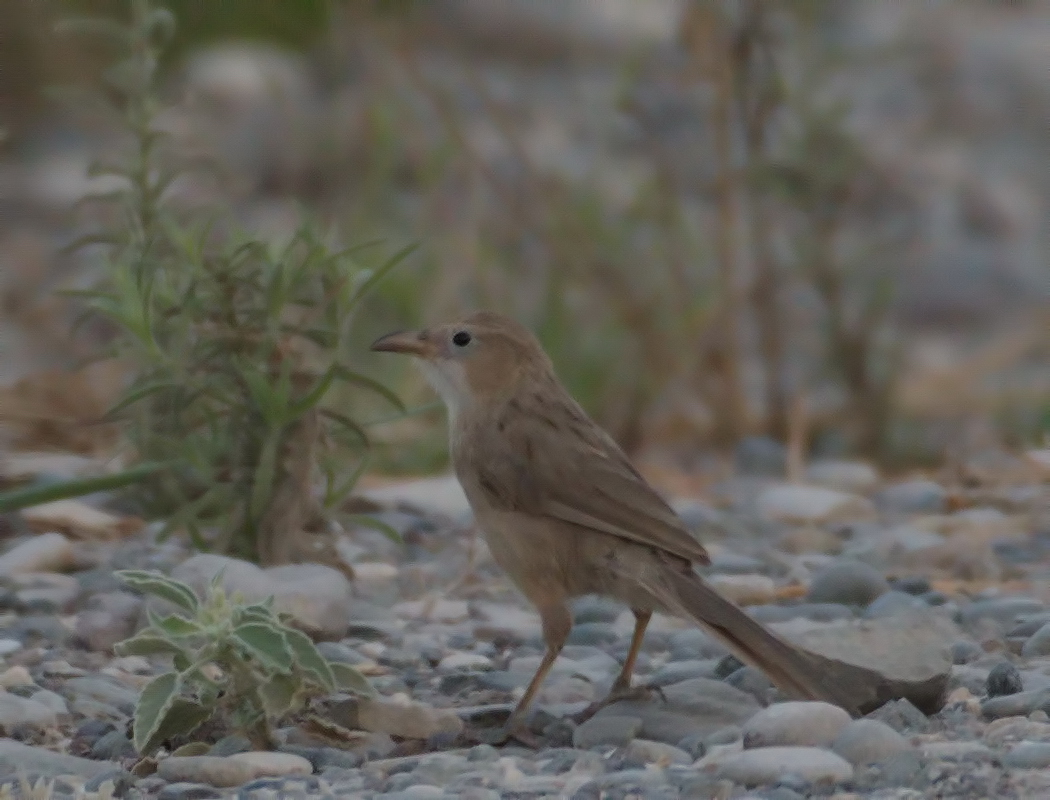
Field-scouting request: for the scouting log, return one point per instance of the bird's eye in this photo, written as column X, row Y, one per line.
column 461, row 339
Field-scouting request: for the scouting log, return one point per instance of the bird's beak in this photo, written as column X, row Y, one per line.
column 413, row 343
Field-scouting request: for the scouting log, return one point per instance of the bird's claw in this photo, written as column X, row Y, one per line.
column 642, row 692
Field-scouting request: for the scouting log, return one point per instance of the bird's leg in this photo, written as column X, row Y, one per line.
column 621, row 688
column 623, row 681
column 556, row 626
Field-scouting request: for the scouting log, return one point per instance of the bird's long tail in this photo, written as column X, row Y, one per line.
column 802, row 675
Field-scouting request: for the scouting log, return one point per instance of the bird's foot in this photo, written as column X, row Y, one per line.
column 617, row 693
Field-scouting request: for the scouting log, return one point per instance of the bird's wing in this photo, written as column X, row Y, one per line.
column 559, row 463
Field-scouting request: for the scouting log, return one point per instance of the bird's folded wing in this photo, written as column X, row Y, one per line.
column 577, row 474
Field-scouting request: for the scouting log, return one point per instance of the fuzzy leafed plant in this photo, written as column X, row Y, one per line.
column 239, row 665
column 233, row 343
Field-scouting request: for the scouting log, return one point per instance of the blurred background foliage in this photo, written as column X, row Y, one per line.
column 821, row 222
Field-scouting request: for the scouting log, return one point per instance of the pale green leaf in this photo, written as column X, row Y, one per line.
column 310, row 660
column 278, row 695
column 162, row 586
column 156, row 700
column 349, row 679
column 266, row 644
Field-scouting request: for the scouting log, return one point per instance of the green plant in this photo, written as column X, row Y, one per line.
column 233, row 342
column 241, row 665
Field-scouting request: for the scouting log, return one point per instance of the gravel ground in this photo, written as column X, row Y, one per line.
column 925, row 585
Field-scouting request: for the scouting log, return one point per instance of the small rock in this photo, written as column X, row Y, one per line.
column 396, row 717
column 760, row 456
column 866, row 741
column 904, row 656
column 9, row 646
column 1028, row 755
column 744, row 590
column 16, row 758
column 81, row 521
column 49, row 552
column 18, row 711
column 442, row 495
column 1038, row 643
column 54, row 701
column 768, row 765
column 1016, row 705
column 107, row 619
column 592, row 608
column 812, row 505
column 798, row 723
column 212, row 770
column 696, row 706
column 678, row 671
column 843, row 476
column 913, row 497
column 902, row 716
column 1004, row 679
column 266, row 764
column 610, row 729
column 370, row 572
column 436, row 610
column 188, row 791
column 464, row 661
column 1003, row 610
column 891, row 604
column 964, row 651
column 15, row 676
column 317, row 597
column 113, row 746
column 647, row 752
column 848, row 582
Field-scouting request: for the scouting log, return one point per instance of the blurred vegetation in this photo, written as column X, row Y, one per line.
column 663, row 300
column 233, row 343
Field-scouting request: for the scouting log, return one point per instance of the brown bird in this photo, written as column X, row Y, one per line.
column 565, row 513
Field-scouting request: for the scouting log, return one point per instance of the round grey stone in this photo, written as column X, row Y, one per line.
column 1003, row 680
column 891, row 604
column 606, row 730
column 1038, row 643
column 866, row 741
column 1028, row 755
column 848, row 582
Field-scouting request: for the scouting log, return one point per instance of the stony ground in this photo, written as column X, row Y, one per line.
column 926, row 584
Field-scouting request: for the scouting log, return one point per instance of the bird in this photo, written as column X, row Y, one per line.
column 565, row 514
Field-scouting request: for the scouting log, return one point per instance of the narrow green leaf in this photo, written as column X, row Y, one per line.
column 154, row 703
column 147, row 644
column 266, row 644
column 35, row 495
column 344, row 373
column 310, row 660
column 265, row 474
column 313, row 397
column 381, row 273
column 134, row 395
column 162, row 586
column 346, row 424
column 349, row 679
column 366, row 521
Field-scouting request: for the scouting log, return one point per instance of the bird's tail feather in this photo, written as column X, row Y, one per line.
column 799, row 674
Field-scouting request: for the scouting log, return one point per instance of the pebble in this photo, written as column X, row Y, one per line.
column 17, row 711
column 1003, row 610
column 800, row 505
column 48, row 552
column 609, row 729
column 848, row 582
column 107, row 619
column 866, row 741
column 319, row 598
column 464, row 661
column 212, row 770
column 1019, row 704
column 768, row 765
column 1038, row 643
column 647, row 752
column 760, row 456
column 9, row 646
column 892, row 603
column 744, row 590
column 912, row 497
column 795, row 723
column 398, row 717
column 843, row 476
column 15, row 756
column 15, row 676
column 1028, row 755
column 1004, row 679
column 266, row 764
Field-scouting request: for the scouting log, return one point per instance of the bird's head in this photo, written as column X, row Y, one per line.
column 480, row 359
